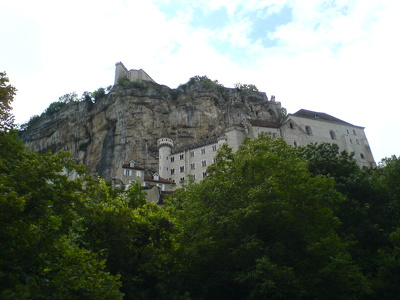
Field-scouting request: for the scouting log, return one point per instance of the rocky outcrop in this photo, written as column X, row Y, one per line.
column 126, row 123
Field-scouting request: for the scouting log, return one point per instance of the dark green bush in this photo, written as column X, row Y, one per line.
column 53, row 108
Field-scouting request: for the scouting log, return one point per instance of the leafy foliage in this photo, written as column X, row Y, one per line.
column 39, row 209
column 204, row 80
column 53, row 108
column 261, row 226
column 98, row 94
column 70, row 97
column 7, row 93
column 126, row 83
column 245, row 87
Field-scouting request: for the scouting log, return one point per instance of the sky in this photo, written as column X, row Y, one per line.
column 338, row 57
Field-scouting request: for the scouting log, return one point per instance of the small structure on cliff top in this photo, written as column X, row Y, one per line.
column 132, row 75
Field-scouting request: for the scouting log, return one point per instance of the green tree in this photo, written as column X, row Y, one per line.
column 370, row 213
column 98, row 94
column 70, row 97
column 7, row 93
column 246, row 87
column 134, row 237
column 261, row 226
column 39, row 210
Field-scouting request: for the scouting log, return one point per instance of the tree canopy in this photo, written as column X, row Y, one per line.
column 7, row 93
column 260, row 226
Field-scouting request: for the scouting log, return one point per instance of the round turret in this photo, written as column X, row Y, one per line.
column 164, row 151
column 165, row 142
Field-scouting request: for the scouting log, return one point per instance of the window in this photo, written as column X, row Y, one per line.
column 172, row 159
column 214, row 148
column 357, row 142
column 291, row 125
column 214, row 160
column 138, row 174
column 347, row 131
column 132, row 163
column 351, row 142
column 192, row 166
column 172, row 171
column 156, row 176
column 191, row 153
column 203, row 151
column 181, row 156
column 354, row 132
column 362, row 156
column 182, row 179
column 182, row 169
column 295, row 143
column 204, row 163
column 128, row 173
column 204, row 174
column 308, row 130
column 333, row 135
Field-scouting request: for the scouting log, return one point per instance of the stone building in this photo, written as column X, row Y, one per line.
column 299, row 129
column 132, row 75
column 152, row 183
column 305, row 126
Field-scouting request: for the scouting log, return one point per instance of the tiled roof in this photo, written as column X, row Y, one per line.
column 264, row 123
column 320, row 116
column 161, row 180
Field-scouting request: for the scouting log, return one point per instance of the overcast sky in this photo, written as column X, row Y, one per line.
column 339, row 57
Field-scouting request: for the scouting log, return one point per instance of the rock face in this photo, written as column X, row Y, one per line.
column 125, row 124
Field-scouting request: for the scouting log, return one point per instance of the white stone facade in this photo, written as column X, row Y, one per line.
column 299, row 129
column 305, row 127
column 132, row 173
column 187, row 164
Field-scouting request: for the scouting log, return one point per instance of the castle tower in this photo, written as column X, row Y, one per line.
column 120, row 71
column 165, row 146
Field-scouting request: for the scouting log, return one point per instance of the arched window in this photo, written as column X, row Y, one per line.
column 308, row 130
column 333, row 135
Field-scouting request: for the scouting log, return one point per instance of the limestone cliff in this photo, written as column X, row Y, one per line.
column 126, row 123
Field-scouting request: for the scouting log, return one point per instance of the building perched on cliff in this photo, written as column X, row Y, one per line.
column 133, row 75
column 299, row 129
column 190, row 160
